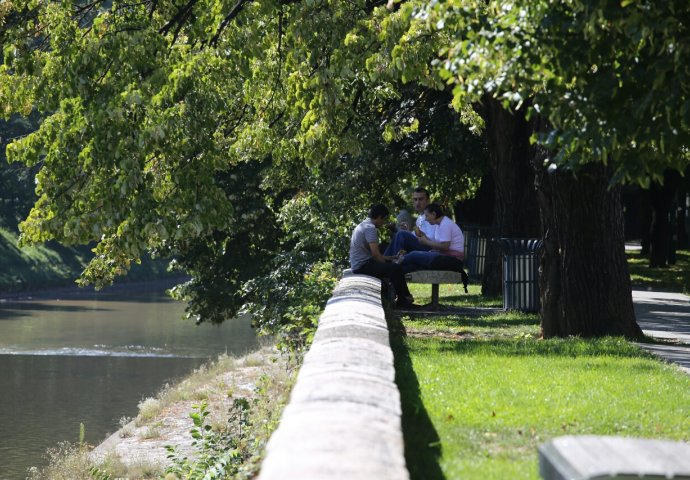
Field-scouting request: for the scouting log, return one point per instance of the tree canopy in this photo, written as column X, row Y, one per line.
column 244, row 139
column 609, row 76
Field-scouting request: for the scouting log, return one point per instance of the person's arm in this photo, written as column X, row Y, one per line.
column 443, row 236
column 424, row 240
column 377, row 255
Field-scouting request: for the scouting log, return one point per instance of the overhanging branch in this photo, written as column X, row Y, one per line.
column 228, row 18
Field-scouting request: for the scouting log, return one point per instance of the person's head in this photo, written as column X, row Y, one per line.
column 379, row 214
column 433, row 213
column 420, row 199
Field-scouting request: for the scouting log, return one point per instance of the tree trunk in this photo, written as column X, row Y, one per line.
column 681, row 219
column 480, row 209
column 584, row 282
column 662, row 248
column 516, row 212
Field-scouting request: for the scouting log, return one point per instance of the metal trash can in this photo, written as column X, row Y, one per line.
column 521, row 274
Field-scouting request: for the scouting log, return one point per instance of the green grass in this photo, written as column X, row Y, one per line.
column 673, row 278
column 477, row 408
column 481, row 392
column 453, row 294
column 507, row 325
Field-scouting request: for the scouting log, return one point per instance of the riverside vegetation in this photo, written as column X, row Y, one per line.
column 245, row 139
column 51, row 265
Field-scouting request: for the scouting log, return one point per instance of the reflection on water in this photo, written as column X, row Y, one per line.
column 91, row 360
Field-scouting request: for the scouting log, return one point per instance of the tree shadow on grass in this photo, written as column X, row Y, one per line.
column 473, row 300
column 422, row 443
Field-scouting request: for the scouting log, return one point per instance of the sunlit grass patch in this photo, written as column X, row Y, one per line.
column 454, row 295
column 673, row 278
column 476, row 409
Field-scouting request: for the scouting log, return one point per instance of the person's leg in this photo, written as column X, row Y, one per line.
column 414, row 261
column 446, row 262
column 392, row 271
column 397, row 242
column 404, row 240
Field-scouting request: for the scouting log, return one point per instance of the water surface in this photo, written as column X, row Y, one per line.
column 91, row 358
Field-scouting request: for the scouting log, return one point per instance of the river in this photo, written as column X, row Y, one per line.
column 80, row 357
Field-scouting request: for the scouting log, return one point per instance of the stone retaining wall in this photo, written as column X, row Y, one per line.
column 343, row 418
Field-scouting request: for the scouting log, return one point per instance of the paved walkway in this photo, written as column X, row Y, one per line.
column 665, row 316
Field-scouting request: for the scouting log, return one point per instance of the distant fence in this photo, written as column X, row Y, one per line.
column 343, row 420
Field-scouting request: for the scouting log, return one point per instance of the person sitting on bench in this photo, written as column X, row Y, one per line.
column 448, row 243
column 366, row 258
column 405, row 239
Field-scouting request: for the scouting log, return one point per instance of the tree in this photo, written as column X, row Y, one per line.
column 16, row 181
column 242, row 140
column 152, row 108
column 600, row 78
column 516, row 211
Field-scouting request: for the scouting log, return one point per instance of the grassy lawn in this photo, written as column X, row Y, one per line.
column 453, row 294
column 674, row 278
column 481, row 393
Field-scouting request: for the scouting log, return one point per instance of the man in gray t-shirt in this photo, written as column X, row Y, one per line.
column 366, row 257
column 364, row 234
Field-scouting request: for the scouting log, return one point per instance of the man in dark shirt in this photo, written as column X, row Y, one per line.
column 367, row 259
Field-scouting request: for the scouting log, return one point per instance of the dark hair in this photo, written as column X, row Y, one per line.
column 434, row 208
column 422, row 190
column 378, row 210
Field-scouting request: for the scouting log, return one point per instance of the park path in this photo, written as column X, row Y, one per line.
column 665, row 316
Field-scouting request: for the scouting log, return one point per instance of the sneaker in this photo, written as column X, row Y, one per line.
column 406, row 304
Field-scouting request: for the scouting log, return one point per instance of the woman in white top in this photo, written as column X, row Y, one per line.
column 448, row 240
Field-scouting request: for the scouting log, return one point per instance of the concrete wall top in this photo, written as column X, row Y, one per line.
column 343, row 420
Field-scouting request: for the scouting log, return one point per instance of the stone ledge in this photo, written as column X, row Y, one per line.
column 343, row 420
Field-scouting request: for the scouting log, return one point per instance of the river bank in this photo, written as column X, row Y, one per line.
column 73, row 291
column 258, row 382
column 51, row 266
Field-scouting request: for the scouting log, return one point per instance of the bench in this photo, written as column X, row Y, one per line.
column 585, row 457
column 435, row 278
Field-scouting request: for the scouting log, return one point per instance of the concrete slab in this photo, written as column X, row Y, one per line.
column 665, row 316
